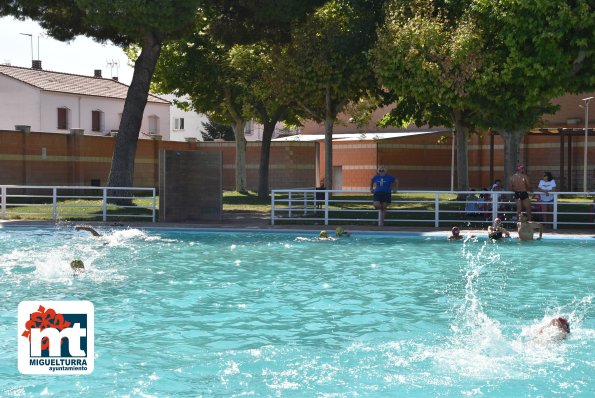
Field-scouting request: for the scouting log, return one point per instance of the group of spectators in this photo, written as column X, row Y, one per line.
column 521, row 186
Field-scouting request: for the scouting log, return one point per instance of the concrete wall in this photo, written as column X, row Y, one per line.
column 190, row 186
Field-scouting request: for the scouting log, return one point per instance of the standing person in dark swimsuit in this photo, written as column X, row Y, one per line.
column 519, row 183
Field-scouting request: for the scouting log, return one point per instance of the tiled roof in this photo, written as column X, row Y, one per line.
column 71, row 84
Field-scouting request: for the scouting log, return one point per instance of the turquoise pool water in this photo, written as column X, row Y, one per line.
column 190, row 314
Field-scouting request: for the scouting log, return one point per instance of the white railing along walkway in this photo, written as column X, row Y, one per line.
column 54, row 200
column 427, row 208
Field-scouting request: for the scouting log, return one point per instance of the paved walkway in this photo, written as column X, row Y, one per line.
column 250, row 220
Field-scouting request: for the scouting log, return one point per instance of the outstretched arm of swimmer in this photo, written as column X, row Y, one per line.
column 88, row 229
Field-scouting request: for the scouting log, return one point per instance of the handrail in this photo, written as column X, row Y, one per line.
column 54, row 197
column 437, row 208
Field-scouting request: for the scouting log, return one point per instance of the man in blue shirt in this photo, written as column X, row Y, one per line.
column 382, row 185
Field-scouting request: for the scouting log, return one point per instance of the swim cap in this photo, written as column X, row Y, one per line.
column 77, row 264
column 323, row 234
column 339, row 231
column 455, row 229
column 498, row 219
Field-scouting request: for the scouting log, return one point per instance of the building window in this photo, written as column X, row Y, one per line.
column 153, row 124
column 63, row 118
column 96, row 121
column 179, row 123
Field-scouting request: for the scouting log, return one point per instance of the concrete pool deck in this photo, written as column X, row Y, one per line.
column 261, row 221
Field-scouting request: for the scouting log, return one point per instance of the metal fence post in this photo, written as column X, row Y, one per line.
column 3, row 203
column 54, row 203
column 326, row 207
column 289, row 203
column 154, row 204
column 555, row 215
column 436, row 209
column 305, row 202
column 104, row 204
column 273, row 207
column 495, row 200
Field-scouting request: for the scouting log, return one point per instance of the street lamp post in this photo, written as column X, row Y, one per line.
column 31, row 37
column 587, row 100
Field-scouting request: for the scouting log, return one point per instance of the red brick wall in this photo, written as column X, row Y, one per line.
column 77, row 159
column 419, row 161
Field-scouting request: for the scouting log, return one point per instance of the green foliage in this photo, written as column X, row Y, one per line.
column 105, row 20
column 250, row 21
column 213, row 130
column 327, row 59
column 429, row 60
column 536, row 50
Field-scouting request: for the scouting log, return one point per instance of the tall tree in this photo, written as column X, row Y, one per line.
column 328, row 64
column 262, row 80
column 149, row 25
column 536, row 50
column 107, row 20
column 199, row 67
column 429, row 58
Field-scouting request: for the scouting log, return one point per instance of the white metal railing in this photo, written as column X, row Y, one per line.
column 428, row 208
column 52, row 201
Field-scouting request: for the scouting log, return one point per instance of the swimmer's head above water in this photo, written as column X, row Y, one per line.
column 556, row 329
column 77, row 265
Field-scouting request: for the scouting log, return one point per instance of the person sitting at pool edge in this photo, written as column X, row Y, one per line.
column 339, row 231
column 497, row 231
column 88, row 229
column 526, row 228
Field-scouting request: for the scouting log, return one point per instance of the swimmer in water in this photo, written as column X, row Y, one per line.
column 324, row 235
column 455, row 234
column 556, row 329
column 339, row 231
column 88, row 229
column 497, row 231
column 77, row 266
column 526, row 228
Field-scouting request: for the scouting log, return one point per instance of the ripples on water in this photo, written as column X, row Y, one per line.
column 195, row 314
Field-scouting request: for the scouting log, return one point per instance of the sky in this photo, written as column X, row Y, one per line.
column 80, row 56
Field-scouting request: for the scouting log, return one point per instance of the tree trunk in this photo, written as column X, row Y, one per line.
column 265, row 148
column 512, row 148
column 122, row 168
column 462, row 159
column 329, row 121
column 265, row 152
column 238, row 129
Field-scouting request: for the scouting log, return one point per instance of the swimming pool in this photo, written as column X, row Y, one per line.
column 186, row 314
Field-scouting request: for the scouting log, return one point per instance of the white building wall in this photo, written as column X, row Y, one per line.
column 19, row 104
column 162, row 111
column 192, row 122
column 81, row 108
